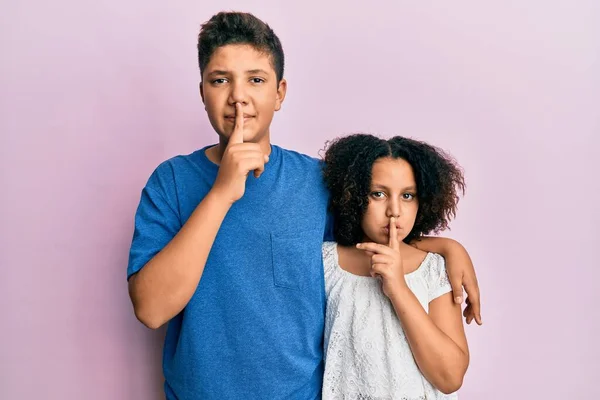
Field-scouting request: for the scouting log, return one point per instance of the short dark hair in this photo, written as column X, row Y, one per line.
column 347, row 170
column 227, row 28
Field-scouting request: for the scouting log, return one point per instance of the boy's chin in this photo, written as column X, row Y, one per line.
column 249, row 137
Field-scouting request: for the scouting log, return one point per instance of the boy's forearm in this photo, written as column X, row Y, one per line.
column 164, row 286
column 439, row 245
column 440, row 359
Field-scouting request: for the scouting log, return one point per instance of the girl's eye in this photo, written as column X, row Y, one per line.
column 408, row 196
column 377, row 195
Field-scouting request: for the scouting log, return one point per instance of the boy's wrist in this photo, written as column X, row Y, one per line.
column 219, row 197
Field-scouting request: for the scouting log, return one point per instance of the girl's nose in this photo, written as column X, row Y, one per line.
column 393, row 209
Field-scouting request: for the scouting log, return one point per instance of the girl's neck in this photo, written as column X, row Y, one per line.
column 353, row 260
column 358, row 262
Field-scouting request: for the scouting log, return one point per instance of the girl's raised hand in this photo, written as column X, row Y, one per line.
column 386, row 261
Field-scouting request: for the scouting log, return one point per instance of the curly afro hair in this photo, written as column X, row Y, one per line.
column 347, row 167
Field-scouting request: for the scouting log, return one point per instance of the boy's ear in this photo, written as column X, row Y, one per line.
column 201, row 92
column 281, row 91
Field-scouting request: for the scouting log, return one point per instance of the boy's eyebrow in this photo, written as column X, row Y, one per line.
column 257, row 71
column 217, row 72
column 251, row 71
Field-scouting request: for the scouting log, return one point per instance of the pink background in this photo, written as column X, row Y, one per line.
column 95, row 94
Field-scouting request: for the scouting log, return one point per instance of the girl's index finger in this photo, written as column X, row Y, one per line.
column 393, row 242
column 375, row 248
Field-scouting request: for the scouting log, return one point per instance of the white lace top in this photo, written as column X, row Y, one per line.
column 367, row 356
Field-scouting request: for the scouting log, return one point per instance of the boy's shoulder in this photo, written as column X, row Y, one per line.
column 168, row 170
column 197, row 158
column 184, row 160
column 299, row 157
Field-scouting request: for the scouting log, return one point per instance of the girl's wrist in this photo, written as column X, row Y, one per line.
column 399, row 291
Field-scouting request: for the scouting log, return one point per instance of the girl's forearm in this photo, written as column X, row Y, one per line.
column 440, row 359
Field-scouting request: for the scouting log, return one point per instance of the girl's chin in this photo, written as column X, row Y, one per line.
column 382, row 238
column 379, row 239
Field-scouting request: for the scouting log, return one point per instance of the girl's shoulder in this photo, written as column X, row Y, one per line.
column 329, row 250
column 413, row 258
column 330, row 257
column 436, row 276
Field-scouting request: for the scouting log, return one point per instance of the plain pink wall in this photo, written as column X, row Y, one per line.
column 93, row 96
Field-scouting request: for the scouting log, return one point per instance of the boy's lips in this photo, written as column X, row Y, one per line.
column 232, row 117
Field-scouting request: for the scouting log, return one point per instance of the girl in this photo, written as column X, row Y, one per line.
column 392, row 330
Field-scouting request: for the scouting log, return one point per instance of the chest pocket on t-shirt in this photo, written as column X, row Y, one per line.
column 296, row 258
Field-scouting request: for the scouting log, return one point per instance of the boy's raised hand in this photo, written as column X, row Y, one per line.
column 386, row 261
column 237, row 136
column 238, row 160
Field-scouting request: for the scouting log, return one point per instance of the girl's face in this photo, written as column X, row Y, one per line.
column 393, row 194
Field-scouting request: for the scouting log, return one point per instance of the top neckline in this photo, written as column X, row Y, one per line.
column 370, row 278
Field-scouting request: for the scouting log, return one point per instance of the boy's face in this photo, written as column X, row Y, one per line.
column 239, row 73
column 393, row 194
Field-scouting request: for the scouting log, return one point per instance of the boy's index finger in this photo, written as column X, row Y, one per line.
column 237, row 136
column 393, row 242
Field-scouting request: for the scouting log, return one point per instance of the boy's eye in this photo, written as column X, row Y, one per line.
column 377, row 195
column 219, row 81
column 257, row 80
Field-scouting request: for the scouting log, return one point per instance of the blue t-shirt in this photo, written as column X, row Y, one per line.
column 254, row 327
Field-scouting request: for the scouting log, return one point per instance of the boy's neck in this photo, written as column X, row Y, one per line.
column 215, row 153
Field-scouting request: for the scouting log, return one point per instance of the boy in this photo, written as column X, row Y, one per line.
column 227, row 242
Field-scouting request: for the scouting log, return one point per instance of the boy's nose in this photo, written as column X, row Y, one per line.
column 238, row 95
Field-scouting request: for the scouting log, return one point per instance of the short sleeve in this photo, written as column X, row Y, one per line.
column 156, row 220
column 438, row 281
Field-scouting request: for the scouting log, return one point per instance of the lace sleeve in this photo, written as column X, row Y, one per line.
column 438, row 281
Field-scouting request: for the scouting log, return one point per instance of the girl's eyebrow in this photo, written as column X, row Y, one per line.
column 379, row 186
